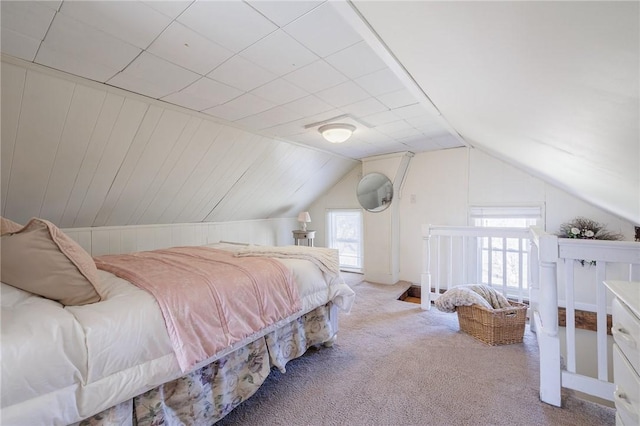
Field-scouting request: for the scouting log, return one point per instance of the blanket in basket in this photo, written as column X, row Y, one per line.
column 471, row 294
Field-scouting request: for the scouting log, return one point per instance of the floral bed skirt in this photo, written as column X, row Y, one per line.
column 206, row 395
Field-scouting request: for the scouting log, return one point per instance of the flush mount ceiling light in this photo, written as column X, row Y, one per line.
column 337, row 132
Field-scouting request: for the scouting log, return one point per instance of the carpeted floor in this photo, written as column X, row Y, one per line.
column 394, row 364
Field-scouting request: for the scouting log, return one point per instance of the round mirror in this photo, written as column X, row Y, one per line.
column 375, row 192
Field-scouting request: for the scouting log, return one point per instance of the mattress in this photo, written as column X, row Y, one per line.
column 62, row 364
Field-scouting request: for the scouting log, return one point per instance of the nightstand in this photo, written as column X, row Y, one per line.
column 304, row 235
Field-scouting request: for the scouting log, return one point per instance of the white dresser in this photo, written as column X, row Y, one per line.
column 625, row 310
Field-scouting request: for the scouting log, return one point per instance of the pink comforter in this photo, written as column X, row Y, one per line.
column 209, row 298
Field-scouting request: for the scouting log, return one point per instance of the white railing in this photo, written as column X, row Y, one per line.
column 548, row 272
column 570, row 273
column 455, row 255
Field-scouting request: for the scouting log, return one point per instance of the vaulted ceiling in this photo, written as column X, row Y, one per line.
column 221, row 100
column 550, row 86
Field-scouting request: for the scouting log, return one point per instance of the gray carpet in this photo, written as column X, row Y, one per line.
column 394, row 364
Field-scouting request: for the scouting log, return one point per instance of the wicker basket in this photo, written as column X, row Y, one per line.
column 494, row 326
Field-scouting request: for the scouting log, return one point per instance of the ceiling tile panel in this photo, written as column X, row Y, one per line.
column 185, row 47
column 316, row 76
column 135, row 22
column 371, row 136
column 242, row 74
column 380, row 82
column 398, row 129
column 309, row 106
column 153, row 76
column 365, row 107
column 359, row 149
column 172, row 8
column 269, row 118
column 289, row 129
column 283, row 12
column 232, row 24
column 393, row 146
column 79, row 49
column 397, row 99
column 446, row 140
column 356, row 60
column 18, row 45
column 313, row 139
column 268, row 67
column 421, row 143
column 412, row 111
column 240, row 107
column 381, row 118
column 329, row 115
column 323, row 31
column 343, row 94
column 279, row 53
column 419, row 121
column 51, row 4
column 31, row 19
column 436, row 132
column 203, row 94
column 279, row 91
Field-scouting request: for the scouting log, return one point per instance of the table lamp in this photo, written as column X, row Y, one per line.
column 304, row 218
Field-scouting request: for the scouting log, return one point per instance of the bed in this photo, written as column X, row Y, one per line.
column 115, row 361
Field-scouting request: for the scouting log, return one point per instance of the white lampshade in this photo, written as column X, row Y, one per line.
column 337, row 133
column 304, row 217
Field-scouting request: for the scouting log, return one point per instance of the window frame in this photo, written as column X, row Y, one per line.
column 500, row 251
column 360, row 242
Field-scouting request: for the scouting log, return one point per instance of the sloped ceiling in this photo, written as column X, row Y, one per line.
column 79, row 155
column 223, row 97
column 549, row 86
column 277, row 68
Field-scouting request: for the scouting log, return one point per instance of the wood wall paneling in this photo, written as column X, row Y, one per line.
column 99, row 137
column 79, row 125
column 179, row 174
column 121, row 137
column 222, row 175
column 12, row 87
column 247, row 151
column 45, row 104
column 83, row 154
column 221, row 145
column 164, row 171
column 257, row 183
column 140, row 141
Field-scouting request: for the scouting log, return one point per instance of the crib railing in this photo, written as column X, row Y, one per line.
column 570, row 273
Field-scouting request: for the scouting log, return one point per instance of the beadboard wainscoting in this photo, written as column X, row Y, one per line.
column 127, row 239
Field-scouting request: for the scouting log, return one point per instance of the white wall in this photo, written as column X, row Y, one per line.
column 341, row 196
column 382, row 229
column 438, row 181
column 441, row 185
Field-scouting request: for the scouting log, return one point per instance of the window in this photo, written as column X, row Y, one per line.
column 513, row 217
column 503, row 261
column 344, row 229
